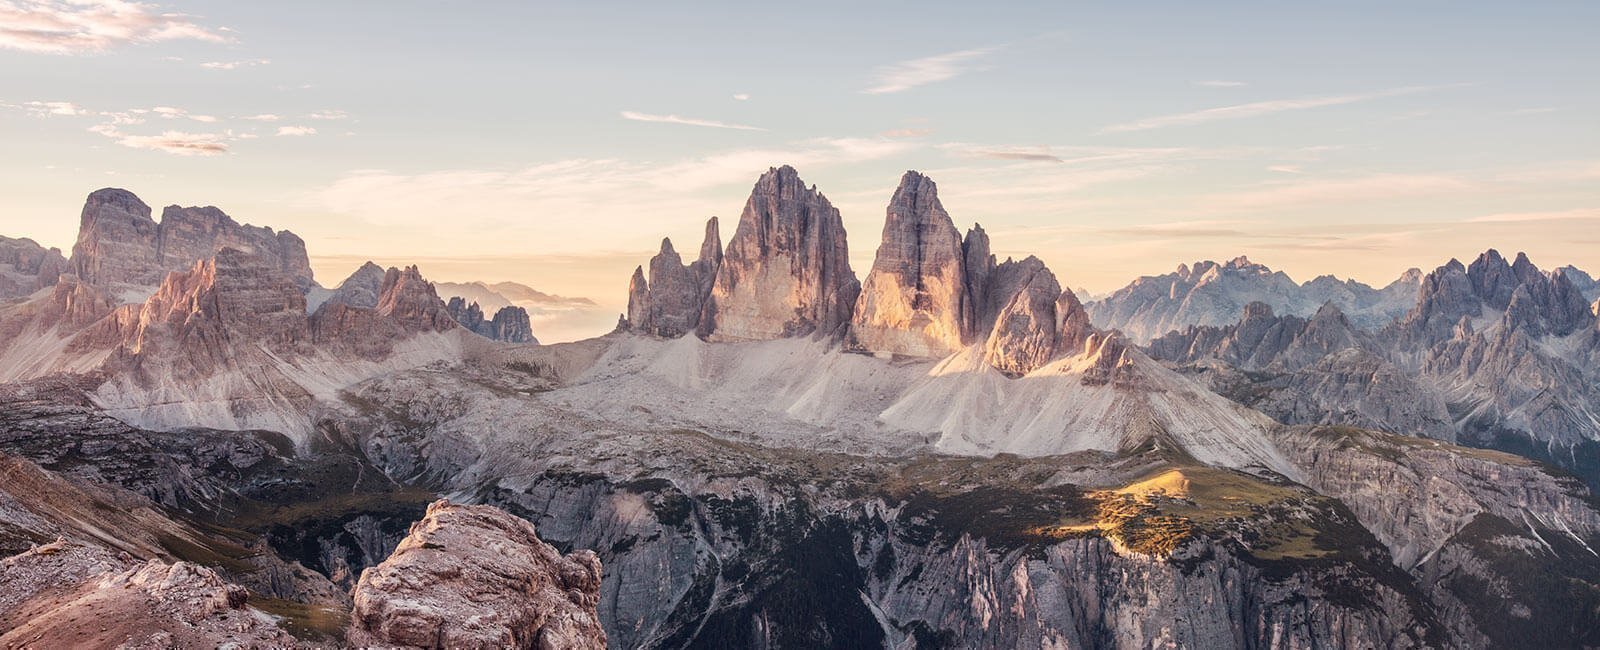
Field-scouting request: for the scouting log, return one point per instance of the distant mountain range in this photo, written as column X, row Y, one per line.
column 769, row 450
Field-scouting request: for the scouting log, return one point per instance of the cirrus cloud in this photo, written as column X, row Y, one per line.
column 906, row 75
column 687, row 121
column 174, row 142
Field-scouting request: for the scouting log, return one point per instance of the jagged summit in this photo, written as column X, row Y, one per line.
column 930, row 292
column 670, row 302
column 786, row 270
column 1213, row 293
column 916, row 299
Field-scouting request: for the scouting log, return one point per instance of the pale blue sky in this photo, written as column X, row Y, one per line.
column 494, row 140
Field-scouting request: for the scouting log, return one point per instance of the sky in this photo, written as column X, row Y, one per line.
column 555, row 144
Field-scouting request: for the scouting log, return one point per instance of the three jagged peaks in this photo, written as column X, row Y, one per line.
column 930, row 291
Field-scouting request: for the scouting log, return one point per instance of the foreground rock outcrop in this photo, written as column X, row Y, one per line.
column 786, row 271
column 476, row 577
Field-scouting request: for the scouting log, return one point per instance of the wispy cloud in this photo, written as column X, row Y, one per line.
column 173, row 142
column 906, row 75
column 329, row 115
column 1551, row 215
column 571, row 193
column 1219, row 83
column 1338, row 190
column 234, row 65
column 908, row 132
column 296, row 130
column 1257, row 109
column 743, row 97
column 67, row 109
column 689, row 121
column 263, row 117
column 88, row 26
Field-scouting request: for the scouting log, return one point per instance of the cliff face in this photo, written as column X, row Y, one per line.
column 670, row 303
column 119, row 243
column 26, row 267
column 476, row 577
column 915, row 301
column 786, row 271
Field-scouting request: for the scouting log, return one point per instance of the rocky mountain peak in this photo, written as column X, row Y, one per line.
column 711, row 245
column 26, row 267
column 916, row 299
column 509, row 324
column 120, row 244
column 1531, row 301
column 410, row 301
column 361, row 288
column 1025, row 325
column 233, row 295
column 669, row 303
column 786, row 270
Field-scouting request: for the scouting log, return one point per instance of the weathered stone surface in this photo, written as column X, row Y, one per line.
column 1320, row 370
column 670, row 303
column 979, row 263
column 119, row 244
column 26, row 267
column 217, row 306
column 915, row 301
column 476, row 577
column 361, row 288
column 1025, row 325
column 409, row 300
column 786, row 271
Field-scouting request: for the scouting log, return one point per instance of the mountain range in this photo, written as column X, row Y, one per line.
column 951, row 450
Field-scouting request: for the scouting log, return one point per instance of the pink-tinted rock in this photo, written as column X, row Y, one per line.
column 786, row 271
column 915, row 300
column 477, row 577
column 120, row 244
column 26, row 267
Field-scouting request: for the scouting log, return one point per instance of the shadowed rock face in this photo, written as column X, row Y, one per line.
column 669, row 304
column 1025, row 325
column 361, row 288
column 915, row 300
column 786, row 271
column 510, row 324
column 26, row 267
column 476, row 577
column 119, row 243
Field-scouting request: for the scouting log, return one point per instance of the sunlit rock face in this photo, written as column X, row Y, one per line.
column 476, row 577
column 915, row 300
column 786, row 271
column 119, row 244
